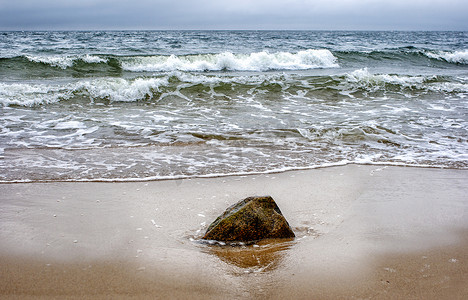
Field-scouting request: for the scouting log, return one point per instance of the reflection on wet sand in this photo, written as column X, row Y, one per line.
column 263, row 256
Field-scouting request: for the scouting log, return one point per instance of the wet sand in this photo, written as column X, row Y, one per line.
column 362, row 231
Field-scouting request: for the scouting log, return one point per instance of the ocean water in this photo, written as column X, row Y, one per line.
column 91, row 106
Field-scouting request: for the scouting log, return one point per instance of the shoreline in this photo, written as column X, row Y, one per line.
column 221, row 175
column 361, row 230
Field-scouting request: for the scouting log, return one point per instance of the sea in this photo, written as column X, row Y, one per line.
column 155, row 105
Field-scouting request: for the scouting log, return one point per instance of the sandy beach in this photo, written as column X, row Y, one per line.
column 371, row 232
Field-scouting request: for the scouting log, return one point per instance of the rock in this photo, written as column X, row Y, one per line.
column 251, row 219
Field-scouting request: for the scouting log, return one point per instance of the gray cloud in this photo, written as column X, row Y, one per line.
column 238, row 14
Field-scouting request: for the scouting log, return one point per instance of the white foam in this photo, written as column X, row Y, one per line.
column 83, row 131
column 213, row 80
column 62, row 62
column 70, row 125
column 26, row 94
column 449, row 87
column 460, row 57
column 113, row 89
column 121, row 90
column 92, row 59
column 258, row 61
column 117, row 89
column 65, row 61
column 364, row 76
column 138, row 89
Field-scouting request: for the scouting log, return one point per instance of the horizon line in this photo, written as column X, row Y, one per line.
column 323, row 30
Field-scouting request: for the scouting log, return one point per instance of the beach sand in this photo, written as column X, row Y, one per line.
column 378, row 232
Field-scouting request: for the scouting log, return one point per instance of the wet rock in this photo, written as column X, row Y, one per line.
column 252, row 219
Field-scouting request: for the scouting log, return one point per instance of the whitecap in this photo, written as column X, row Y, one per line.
column 365, row 79
column 62, row 62
column 364, row 76
column 113, row 89
column 92, row 59
column 257, row 61
column 459, row 57
column 121, row 90
column 65, row 61
column 30, row 94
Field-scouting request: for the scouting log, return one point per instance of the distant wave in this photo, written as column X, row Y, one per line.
column 259, row 61
column 364, row 79
column 410, row 54
column 106, row 64
column 364, row 76
column 457, row 57
column 226, row 61
column 67, row 61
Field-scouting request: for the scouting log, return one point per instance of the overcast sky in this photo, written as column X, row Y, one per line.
column 234, row 14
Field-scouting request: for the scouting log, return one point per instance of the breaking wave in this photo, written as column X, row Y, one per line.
column 363, row 76
column 190, row 86
column 67, row 61
column 89, row 65
column 226, row 61
column 259, row 61
column 364, row 79
column 112, row 89
column 457, row 57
